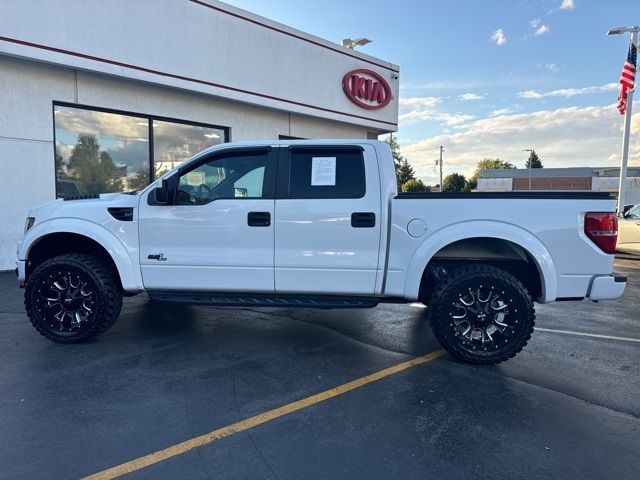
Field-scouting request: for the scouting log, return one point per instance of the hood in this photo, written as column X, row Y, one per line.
column 90, row 207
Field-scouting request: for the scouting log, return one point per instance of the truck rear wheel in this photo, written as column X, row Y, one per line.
column 71, row 298
column 482, row 314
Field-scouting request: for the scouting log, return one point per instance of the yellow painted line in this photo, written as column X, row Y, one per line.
column 183, row 447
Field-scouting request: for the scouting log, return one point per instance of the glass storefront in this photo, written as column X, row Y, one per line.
column 104, row 151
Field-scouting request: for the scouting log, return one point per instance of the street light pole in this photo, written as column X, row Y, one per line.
column 440, row 163
column 627, row 123
column 529, row 160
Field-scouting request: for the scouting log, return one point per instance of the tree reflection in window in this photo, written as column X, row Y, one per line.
column 102, row 152
column 99, row 152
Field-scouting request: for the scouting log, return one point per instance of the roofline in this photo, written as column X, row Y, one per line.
column 295, row 33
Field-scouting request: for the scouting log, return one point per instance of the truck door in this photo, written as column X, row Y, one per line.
column 218, row 233
column 327, row 220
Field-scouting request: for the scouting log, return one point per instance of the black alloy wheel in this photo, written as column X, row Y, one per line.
column 71, row 298
column 482, row 314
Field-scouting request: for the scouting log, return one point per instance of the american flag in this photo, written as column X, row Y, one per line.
column 627, row 78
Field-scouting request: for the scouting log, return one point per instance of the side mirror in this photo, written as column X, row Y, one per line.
column 162, row 193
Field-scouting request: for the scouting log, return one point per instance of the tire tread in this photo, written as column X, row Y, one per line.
column 438, row 316
column 107, row 282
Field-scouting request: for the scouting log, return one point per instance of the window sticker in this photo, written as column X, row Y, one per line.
column 323, row 171
column 195, row 179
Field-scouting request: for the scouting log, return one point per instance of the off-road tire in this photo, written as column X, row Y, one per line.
column 96, row 277
column 447, row 306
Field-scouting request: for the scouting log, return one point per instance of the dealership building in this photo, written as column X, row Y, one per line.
column 105, row 96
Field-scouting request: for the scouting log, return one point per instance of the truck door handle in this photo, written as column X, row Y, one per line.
column 259, row 219
column 363, row 219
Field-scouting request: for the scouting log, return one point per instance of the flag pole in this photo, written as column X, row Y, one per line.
column 625, row 140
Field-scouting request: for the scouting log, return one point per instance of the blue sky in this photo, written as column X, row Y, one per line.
column 490, row 78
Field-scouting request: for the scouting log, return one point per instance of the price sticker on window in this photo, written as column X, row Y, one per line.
column 323, row 171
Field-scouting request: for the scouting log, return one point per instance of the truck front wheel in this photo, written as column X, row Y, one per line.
column 482, row 314
column 71, row 298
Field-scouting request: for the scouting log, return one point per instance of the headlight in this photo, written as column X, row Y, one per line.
column 28, row 224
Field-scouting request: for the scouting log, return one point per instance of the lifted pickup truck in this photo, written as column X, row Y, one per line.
column 318, row 224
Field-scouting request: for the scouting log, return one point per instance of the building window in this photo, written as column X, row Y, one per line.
column 100, row 151
column 174, row 142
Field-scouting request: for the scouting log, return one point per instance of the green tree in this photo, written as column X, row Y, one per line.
column 486, row 164
column 139, row 181
column 404, row 172
column 533, row 161
column 413, row 185
column 454, row 183
column 395, row 149
column 92, row 167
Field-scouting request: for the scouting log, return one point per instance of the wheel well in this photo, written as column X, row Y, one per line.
column 488, row 251
column 55, row 244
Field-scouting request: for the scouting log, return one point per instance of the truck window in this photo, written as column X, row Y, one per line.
column 239, row 176
column 327, row 173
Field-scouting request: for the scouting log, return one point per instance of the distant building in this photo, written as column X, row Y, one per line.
column 603, row 179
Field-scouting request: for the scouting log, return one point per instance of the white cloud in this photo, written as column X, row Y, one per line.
column 552, row 67
column 419, row 102
column 542, row 30
column 467, row 97
column 567, row 5
column 568, row 92
column 501, row 111
column 450, row 119
column 499, row 37
column 535, row 22
column 415, row 109
column 635, row 123
column 589, row 136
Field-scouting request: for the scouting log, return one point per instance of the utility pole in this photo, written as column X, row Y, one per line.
column 627, row 122
column 440, row 164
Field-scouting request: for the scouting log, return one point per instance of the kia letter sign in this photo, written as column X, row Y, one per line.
column 366, row 89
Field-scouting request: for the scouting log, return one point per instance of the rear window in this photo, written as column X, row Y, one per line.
column 327, row 173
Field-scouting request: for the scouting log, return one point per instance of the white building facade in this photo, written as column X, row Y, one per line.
column 102, row 96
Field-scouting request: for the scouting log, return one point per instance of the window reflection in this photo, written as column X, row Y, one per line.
column 174, row 142
column 102, row 152
column 98, row 152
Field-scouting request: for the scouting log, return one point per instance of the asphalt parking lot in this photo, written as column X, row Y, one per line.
column 568, row 406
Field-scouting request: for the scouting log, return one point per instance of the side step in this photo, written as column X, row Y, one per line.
column 235, row 299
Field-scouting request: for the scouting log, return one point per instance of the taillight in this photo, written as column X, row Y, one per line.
column 602, row 229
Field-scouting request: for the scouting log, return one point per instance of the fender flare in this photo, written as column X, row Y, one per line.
column 480, row 228
column 129, row 273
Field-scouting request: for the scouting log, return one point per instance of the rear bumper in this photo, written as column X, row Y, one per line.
column 607, row 287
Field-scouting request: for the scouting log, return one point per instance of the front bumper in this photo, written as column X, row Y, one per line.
column 607, row 287
column 21, row 270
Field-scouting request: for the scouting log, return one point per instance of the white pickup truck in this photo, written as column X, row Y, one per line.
column 318, row 224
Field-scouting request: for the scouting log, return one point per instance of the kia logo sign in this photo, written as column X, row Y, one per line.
column 366, row 89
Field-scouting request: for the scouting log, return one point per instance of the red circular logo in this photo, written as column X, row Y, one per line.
column 366, row 89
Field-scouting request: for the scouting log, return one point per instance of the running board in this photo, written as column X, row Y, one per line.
column 235, row 299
